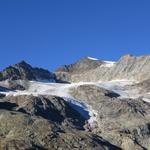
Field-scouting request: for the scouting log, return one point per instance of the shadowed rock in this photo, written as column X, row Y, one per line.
column 2, row 95
column 7, row 105
column 33, row 131
column 24, row 71
column 49, row 107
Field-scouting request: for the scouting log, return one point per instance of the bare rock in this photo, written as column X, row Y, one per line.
column 23, row 71
column 23, row 130
column 117, row 119
column 128, row 67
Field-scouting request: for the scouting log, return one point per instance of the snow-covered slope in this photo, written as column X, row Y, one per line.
column 57, row 89
column 62, row 90
column 120, row 87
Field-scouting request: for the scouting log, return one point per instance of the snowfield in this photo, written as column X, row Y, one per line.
column 119, row 87
column 62, row 90
column 109, row 63
column 92, row 58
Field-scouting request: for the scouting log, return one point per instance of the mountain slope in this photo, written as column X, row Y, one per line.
column 23, row 71
column 88, row 105
column 28, row 122
column 128, row 67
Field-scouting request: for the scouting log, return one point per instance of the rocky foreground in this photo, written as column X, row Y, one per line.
column 89, row 105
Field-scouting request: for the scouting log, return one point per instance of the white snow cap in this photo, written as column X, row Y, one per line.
column 92, row 58
column 109, row 63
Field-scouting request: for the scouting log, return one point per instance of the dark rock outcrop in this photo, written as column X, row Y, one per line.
column 2, row 95
column 49, row 107
column 23, row 71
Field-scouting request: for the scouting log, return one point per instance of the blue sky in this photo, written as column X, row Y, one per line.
column 50, row 33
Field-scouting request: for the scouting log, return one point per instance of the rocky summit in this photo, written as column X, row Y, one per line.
column 128, row 67
column 91, row 104
column 24, row 71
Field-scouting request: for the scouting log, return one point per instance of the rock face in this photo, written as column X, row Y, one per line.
column 9, row 77
column 123, row 122
column 28, row 122
column 23, row 71
column 128, row 67
column 49, row 107
column 66, row 72
column 144, row 86
column 93, row 110
column 81, row 66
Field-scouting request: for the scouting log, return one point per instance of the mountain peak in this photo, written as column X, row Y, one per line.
column 128, row 57
column 22, row 64
column 24, row 71
column 82, row 65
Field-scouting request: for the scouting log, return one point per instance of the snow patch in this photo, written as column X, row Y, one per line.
column 85, row 110
column 108, row 63
column 92, row 58
column 146, row 97
column 119, row 87
column 146, row 100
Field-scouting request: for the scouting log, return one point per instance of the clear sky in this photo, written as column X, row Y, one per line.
column 50, row 33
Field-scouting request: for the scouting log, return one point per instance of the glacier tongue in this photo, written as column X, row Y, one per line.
column 58, row 89
column 85, row 110
column 62, row 90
